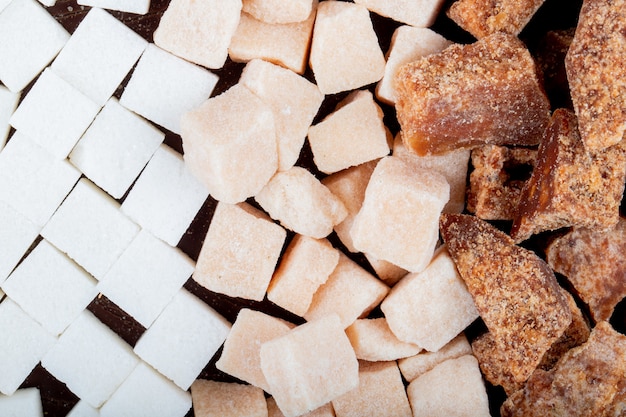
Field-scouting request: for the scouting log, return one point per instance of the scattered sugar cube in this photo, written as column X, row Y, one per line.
column 130, row 6
column 325, row 410
column 8, row 104
column 389, row 273
column 414, row 366
column 163, row 87
column 294, row 102
column 183, row 339
column 99, row 55
column 18, row 233
column 373, row 340
column 166, row 197
column 301, row 203
column 31, row 39
column 54, row 114
column 227, row 399
column 240, row 252
column 146, row 392
column 306, row 264
column 341, row 62
column 420, row 13
column 24, row 403
column 90, row 228
column 3, row 4
column 83, row 409
column 90, row 359
column 310, row 366
column 23, row 343
column 352, row 135
column 277, row 11
column 199, row 31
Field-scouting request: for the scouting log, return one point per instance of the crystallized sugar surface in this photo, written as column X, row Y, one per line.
column 373, row 340
column 418, row 13
column 227, row 399
column 277, row 11
column 25, row 402
column 18, row 233
column 8, row 104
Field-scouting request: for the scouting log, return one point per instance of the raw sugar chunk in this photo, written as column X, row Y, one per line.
column 389, row 273
column 430, row 308
column 183, row 339
column 241, row 356
column 99, row 55
column 83, row 409
column 399, row 190
column 310, row 366
column 240, row 252
column 166, row 197
column 8, row 104
column 130, row 6
column 306, row 264
column 452, row 388
column 163, row 87
column 31, row 39
column 419, row 364
column 373, row 340
column 199, row 32
column 18, row 233
column 341, row 62
column 420, row 13
column 353, row 134
column 300, row 202
column 25, row 402
column 380, row 390
column 226, row 399
column 487, row 92
column 230, row 144
column 294, row 102
column 277, row 11
column 596, row 71
column 569, row 185
column 515, row 291
column 325, row 410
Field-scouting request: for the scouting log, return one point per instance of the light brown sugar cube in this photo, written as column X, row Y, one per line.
column 414, row 366
column 229, row 144
column 240, row 252
column 430, row 308
column 373, row 340
column 380, row 392
column 279, row 11
column 325, row 410
column 310, row 366
column 293, row 99
column 301, row 203
column 345, row 53
column 306, row 264
column 350, row 292
column 241, row 356
column 418, row 13
column 399, row 219
column 353, row 134
column 389, row 273
column 199, row 31
column 225, row 399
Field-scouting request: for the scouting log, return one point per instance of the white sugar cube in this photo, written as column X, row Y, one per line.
column 83, row 409
column 23, row 343
column 183, row 339
column 130, row 6
column 90, row 228
column 24, row 403
column 90, row 359
column 419, row 13
column 8, row 104
column 100, row 53
column 3, row 4
column 54, row 114
column 163, row 87
column 166, row 197
column 18, row 233
column 31, row 38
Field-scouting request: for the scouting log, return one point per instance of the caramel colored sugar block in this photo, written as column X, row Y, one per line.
column 398, row 221
column 373, row 340
column 240, row 252
column 515, row 291
column 325, row 410
column 569, row 185
column 230, row 144
column 226, row 399
column 418, row 13
column 293, row 99
column 306, row 264
column 353, row 134
column 389, row 273
column 487, row 92
column 596, row 71
column 301, row 203
column 310, row 366
column 279, row 11
column 342, row 62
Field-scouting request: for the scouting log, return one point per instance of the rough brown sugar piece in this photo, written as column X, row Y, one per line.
column 470, row 95
column 569, row 185
column 596, row 70
column 515, row 291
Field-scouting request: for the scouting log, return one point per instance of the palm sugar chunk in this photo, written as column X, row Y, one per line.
column 569, row 185
column 588, row 381
column 515, row 291
column 596, row 70
column 487, row 92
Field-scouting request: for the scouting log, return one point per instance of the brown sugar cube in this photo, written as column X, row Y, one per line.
column 593, row 262
column 550, row 56
column 497, row 180
column 278, row 11
column 484, row 17
column 419, row 364
column 596, row 70
column 587, row 381
column 373, row 341
column 226, row 399
column 569, row 185
column 515, row 291
column 325, row 410
column 345, row 54
column 389, row 273
column 310, row 366
column 418, row 13
column 380, row 392
column 487, row 92
column 240, row 252
column 306, row 264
